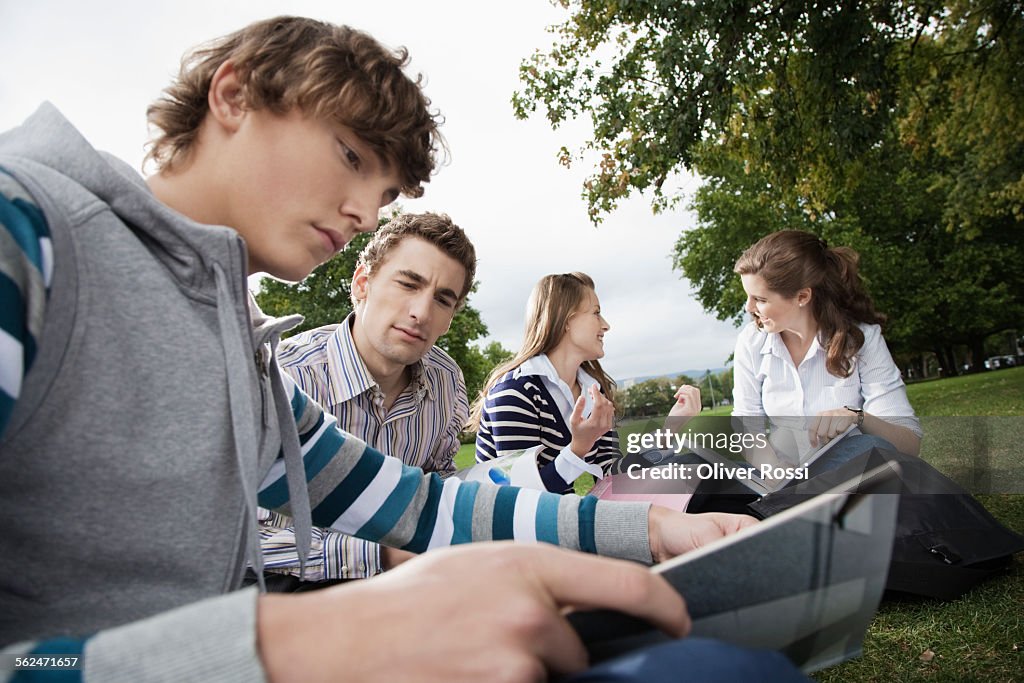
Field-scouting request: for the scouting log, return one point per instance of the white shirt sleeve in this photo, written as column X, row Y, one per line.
column 882, row 388
column 746, row 390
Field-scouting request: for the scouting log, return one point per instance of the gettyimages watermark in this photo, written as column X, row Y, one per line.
column 666, row 439
column 700, row 471
column 980, row 453
column 661, row 444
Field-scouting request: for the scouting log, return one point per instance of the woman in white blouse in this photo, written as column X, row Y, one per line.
column 813, row 360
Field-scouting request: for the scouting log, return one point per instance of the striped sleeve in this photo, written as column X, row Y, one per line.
column 360, row 491
column 26, row 270
column 559, row 476
column 209, row 640
column 607, row 453
column 331, row 555
column 510, row 422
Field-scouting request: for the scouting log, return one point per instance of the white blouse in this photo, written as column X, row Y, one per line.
column 767, row 383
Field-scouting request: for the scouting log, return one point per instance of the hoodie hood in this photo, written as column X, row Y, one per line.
column 187, row 249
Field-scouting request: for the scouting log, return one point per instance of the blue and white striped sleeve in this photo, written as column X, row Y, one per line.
column 360, row 491
column 26, row 270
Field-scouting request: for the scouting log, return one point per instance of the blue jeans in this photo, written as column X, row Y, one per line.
column 700, row 660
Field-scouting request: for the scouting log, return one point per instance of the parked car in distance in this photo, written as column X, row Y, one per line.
column 996, row 362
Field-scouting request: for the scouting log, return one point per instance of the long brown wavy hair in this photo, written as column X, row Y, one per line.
column 790, row 260
column 553, row 301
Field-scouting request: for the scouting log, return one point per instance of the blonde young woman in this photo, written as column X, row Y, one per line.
column 813, row 359
column 554, row 393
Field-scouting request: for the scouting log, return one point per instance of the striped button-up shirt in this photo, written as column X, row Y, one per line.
column 421, row 428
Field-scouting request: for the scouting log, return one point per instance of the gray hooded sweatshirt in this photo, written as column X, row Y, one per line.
column 129, row 466
column 103, row 465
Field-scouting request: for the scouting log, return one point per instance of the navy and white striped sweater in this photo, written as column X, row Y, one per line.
column 519, row 413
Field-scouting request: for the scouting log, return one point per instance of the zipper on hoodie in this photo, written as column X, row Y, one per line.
column 263, row 375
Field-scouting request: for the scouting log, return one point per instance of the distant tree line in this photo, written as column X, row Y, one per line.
column 654, row 397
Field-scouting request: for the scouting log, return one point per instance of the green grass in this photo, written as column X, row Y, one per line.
column 979, row 637
column 466, row 456
column 1000, row 392
column 973, row 427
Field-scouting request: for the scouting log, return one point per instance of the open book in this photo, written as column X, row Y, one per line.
column 805, row 582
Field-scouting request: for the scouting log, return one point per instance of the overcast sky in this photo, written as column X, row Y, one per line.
column 102, row 62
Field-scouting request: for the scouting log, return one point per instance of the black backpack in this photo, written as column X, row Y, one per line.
column 946, row 542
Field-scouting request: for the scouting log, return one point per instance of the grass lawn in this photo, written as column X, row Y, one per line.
column 973, row 427
column 979, row 637
column 465, row 456
column 999, row 392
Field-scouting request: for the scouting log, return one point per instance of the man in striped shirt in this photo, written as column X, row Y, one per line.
column 380, row 374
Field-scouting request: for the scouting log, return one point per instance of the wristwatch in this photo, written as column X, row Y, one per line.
column 860, row 415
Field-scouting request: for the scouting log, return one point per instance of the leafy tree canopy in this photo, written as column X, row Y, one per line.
column 648, row 398
column 892, row 126
column 798, row 89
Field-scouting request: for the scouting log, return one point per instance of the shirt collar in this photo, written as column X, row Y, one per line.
column 773, row 345
column 541, row 365
column 349, row 375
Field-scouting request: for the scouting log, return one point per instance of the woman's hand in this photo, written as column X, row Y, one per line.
column 586, row 431
column 830, row 423
column 686, row 406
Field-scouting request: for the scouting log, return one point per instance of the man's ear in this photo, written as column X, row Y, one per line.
column 226, row 98
column 360, row 282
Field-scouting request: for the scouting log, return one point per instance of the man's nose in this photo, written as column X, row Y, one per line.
column 421, row 306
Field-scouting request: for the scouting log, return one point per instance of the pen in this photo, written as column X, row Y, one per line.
column 498, row 477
